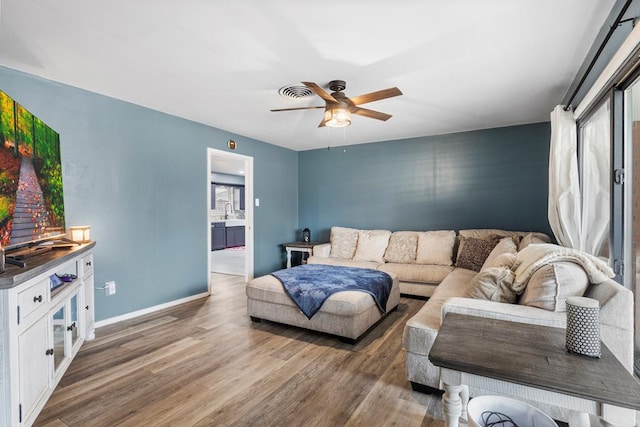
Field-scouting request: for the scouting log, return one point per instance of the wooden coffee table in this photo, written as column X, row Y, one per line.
column 529, row 362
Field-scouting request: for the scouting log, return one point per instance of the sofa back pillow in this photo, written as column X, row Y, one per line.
column 502, row 255
column 493, row 284
column 402, row 248
column 473, row 252
column 343, row 242
column 533, row 238
column 551, row 285
column 488, row 233
column 372, row 245
column 435, row 247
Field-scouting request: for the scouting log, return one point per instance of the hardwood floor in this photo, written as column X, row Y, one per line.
column 205, row 363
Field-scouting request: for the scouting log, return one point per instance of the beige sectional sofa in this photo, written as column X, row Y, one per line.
column 543, row 274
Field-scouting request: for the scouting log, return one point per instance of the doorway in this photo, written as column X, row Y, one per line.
column 229, row 215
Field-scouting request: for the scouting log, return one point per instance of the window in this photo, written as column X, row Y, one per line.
column 227, row 200
column 632, row 198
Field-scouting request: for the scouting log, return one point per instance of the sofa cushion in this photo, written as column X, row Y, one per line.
column 436, row 247
column 372, row 245
column 342, row 262
column 493, row 284
column 551, row 285
column 343, row 242
column 417, row 272
column 473, row 252
column 421, row 330
column 502, row 255
column 402, row 247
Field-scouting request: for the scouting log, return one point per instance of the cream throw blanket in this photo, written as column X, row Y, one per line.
column 535, row 256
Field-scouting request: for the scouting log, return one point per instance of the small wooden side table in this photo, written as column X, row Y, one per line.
column 530, row 362
column 304, row 247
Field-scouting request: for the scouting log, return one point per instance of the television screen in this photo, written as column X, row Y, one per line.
column 31, row 198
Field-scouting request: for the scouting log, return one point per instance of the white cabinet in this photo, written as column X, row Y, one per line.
column 42, row 329
column 35, row 360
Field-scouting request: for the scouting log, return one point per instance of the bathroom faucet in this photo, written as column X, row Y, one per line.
column 225, row 209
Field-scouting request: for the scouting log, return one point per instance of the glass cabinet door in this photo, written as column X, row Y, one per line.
column 59, row 325
column 74, row 326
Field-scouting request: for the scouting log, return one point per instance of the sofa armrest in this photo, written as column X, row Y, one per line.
column 322, row 250
column 616, row 319
column 503, row 311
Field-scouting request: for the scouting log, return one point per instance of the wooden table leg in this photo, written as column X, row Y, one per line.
column 464, row 396
column 452, row 400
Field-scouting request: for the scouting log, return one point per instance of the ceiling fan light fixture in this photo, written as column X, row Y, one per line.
column 337, row 117
column 338, row 107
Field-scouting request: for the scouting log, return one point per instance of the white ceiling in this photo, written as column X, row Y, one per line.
column 461, row 64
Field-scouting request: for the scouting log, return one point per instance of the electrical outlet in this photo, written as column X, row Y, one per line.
column 110, row 288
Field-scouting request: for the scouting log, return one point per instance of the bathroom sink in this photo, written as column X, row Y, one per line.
column 234, row 222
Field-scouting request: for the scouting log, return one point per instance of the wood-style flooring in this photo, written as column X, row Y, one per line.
column 205, row 363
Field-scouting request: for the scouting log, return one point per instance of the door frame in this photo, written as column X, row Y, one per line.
column 248, row 210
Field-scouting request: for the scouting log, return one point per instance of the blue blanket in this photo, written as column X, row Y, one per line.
column 309, row 286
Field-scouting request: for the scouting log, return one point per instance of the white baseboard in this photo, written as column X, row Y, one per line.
column 148, row 310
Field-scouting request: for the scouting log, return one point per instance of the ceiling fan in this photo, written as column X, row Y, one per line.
column 338, row 108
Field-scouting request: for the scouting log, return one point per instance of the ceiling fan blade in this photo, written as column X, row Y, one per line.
column 371, row 114
column 320, row 92
column 376, row 96
column 299, row 108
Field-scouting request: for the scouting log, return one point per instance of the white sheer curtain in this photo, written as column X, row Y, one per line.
column 596, row 182
column 564, row 188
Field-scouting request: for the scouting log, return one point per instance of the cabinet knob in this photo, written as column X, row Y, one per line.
column 86, row 307
column 88, row 263
column 49, row 352
column 71, row 327
column 37, row 299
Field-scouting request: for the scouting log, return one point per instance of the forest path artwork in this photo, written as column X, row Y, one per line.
column 31, row 197
column 30, row 217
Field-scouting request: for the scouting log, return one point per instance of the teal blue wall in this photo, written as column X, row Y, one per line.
column 496, row 178
column 139, row 178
